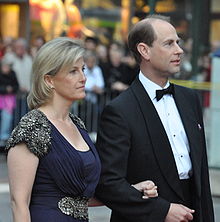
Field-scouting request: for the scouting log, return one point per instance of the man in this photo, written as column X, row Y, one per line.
column 21, row 63
column 145, row 135
column 95, row 81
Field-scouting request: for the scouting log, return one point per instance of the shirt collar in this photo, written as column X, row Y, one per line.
column 150, row 86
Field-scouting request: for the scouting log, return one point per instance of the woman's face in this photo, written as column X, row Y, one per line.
column 69, row 84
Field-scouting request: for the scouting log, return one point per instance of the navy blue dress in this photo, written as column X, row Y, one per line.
column 63, row 172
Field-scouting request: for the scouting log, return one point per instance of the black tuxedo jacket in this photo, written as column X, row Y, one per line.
column 133, row 147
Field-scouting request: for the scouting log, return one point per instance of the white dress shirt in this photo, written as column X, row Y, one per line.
column 170, row 118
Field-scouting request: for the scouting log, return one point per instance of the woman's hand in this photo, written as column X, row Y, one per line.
column 148, row 189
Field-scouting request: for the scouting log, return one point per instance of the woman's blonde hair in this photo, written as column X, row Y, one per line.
column 57, row 54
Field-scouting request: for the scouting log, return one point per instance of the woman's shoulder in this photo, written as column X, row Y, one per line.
column 77, row 121
column 34, row 119
column 34, row 130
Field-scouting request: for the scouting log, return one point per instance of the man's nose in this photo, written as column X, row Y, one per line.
column 179, row 50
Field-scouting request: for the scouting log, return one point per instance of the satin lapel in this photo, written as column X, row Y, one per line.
column 158, row 137
column 193, row 134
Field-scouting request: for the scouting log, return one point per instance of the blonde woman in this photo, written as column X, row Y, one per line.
column 53, row 165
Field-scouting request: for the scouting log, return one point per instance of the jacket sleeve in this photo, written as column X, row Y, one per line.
column 113, row 145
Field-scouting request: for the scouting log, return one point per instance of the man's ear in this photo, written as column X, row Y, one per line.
column 49, row 81
column 144, row 50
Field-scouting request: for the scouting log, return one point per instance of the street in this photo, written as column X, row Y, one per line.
column 97, row 214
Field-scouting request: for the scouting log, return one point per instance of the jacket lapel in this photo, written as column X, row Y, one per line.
column 158, row 137
column 190, row 124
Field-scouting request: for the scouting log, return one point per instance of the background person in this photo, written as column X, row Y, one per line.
column 8, row 89
column 95, row 82
column 21, row 63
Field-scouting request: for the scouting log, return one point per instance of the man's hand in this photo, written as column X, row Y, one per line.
column 179, row 213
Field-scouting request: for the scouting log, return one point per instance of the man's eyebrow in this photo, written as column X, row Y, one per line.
column 172, row 40
column 169, row 40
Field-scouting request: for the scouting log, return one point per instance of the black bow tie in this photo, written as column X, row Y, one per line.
column 161, row 92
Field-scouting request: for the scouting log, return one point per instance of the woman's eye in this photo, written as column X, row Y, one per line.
column 83, row 69
column 73, row 71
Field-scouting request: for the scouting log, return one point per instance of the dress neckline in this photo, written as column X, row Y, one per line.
column 63, row 135
column 67, row 140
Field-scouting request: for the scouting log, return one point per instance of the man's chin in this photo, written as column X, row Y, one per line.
column 174, row 72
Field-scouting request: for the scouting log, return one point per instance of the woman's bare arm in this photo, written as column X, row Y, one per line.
column 22, row 166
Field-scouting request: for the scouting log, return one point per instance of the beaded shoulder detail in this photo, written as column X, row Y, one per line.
column 78, row 121
column 34, row 130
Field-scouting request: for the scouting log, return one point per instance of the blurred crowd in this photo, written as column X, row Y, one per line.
column 108, row 68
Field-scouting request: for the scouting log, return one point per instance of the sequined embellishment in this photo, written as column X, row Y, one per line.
column 74, row 206
column 78, row 121
column 33, row 129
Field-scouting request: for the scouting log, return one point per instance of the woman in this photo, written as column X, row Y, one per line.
column 54, row 167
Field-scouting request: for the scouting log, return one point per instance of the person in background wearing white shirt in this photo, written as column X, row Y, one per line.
column 154, row 131
column 95, row 82
column 21, row 64
column 94, row 88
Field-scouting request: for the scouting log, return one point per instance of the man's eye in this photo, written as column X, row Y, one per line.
column 169, row 43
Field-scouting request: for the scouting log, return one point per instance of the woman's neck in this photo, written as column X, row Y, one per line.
column 56, row 112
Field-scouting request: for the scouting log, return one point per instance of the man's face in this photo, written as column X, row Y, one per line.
column 164, row 55
column 90, row 45
column 20, row 49
column 90, row 62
